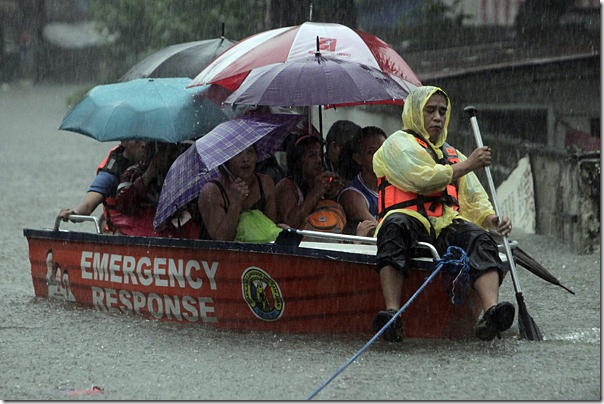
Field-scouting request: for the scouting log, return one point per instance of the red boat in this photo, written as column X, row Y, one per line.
column 306, row 287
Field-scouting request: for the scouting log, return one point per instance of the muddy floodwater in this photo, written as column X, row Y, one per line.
column 51, row 350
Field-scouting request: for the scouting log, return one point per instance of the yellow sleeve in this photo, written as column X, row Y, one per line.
column 408, row 166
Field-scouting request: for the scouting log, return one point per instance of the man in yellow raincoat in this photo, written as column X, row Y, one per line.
column 429, row 192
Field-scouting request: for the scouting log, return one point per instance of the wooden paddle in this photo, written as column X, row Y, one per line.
column 527, row 326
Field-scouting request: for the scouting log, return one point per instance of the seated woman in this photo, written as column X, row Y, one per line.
column 138, row 193
column 307, row 183
column 360, row 199
column 239, row 189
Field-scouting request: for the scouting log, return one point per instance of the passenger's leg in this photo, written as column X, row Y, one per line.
column 392, row 287
column 497, row 316
column 486, row 274
column 487, row 287
column 395, row 238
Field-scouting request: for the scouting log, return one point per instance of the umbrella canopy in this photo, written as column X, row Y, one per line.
column 298, row 42
column 181, row 60
column 199, row 164
column 182, row 184
column 317, row 80
column 147, row 109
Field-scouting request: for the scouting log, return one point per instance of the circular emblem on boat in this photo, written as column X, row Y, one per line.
column 262, row 294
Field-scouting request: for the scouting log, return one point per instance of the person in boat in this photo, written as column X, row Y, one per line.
column 428, row 191
column 104, row 187
column 309, row 187
column 139, row 190
column 339, row 133
column 240, row 204
column 359, row 198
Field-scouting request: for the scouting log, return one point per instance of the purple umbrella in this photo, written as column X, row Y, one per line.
column 182, row 183
column 318, row 80
column 199, row 164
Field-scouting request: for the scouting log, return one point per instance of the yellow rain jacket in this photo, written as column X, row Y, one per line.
column 408, row 166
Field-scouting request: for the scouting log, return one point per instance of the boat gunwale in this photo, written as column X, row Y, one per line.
column 164, row 242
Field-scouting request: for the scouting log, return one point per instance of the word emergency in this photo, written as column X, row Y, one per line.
column 146, row 271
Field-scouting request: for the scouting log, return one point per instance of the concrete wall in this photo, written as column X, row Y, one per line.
column 568, row 197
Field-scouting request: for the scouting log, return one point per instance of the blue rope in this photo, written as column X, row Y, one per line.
column 451, row 257
column 458, row 268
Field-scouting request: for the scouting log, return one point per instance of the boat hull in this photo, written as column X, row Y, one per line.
column 236, row 286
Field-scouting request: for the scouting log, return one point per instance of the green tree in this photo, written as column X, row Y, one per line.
column 141, row 26
column 435, row 25
column 538, row 21
column 284, row 13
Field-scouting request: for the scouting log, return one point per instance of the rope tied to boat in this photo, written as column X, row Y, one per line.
column 456, row 265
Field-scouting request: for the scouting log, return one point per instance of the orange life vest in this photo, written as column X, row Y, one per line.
column 391, row 197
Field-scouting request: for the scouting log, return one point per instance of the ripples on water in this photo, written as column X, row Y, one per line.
column 56, row 346
column 591, row 335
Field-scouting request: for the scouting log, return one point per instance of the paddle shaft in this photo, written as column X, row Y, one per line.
column 506, row 244
column 527, row 326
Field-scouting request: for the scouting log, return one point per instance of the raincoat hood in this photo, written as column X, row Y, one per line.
column 413, row 116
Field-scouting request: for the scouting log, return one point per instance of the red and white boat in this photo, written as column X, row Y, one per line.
column 313, row 287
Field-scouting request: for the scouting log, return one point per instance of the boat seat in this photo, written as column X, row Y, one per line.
column 423, row 253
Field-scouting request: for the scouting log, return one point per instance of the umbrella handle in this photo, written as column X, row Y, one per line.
column 230, row 174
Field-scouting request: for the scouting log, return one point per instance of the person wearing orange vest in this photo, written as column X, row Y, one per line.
column 104, row 186
column 428, row 191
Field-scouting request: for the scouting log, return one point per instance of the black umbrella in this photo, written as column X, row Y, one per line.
column 181, row 60
column 528, row 262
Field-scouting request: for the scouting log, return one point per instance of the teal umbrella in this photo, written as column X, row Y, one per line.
column 154, row 109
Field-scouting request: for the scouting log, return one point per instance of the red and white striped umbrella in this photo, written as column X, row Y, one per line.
column 299, row 42
column 316, row 80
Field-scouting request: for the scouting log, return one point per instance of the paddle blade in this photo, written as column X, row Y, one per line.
column 526, row 325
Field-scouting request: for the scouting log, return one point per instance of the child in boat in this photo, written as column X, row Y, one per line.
column 359, row 198
column 238, row 199
column 104, row 187
column 429, row 192
column 308, row 185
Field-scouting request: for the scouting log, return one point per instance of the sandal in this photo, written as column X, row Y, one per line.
column 394, row 331
column 496, row 319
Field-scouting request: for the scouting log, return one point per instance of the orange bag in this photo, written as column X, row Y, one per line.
column 328, row 216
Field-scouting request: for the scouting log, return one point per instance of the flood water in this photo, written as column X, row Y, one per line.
column 55, row 351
